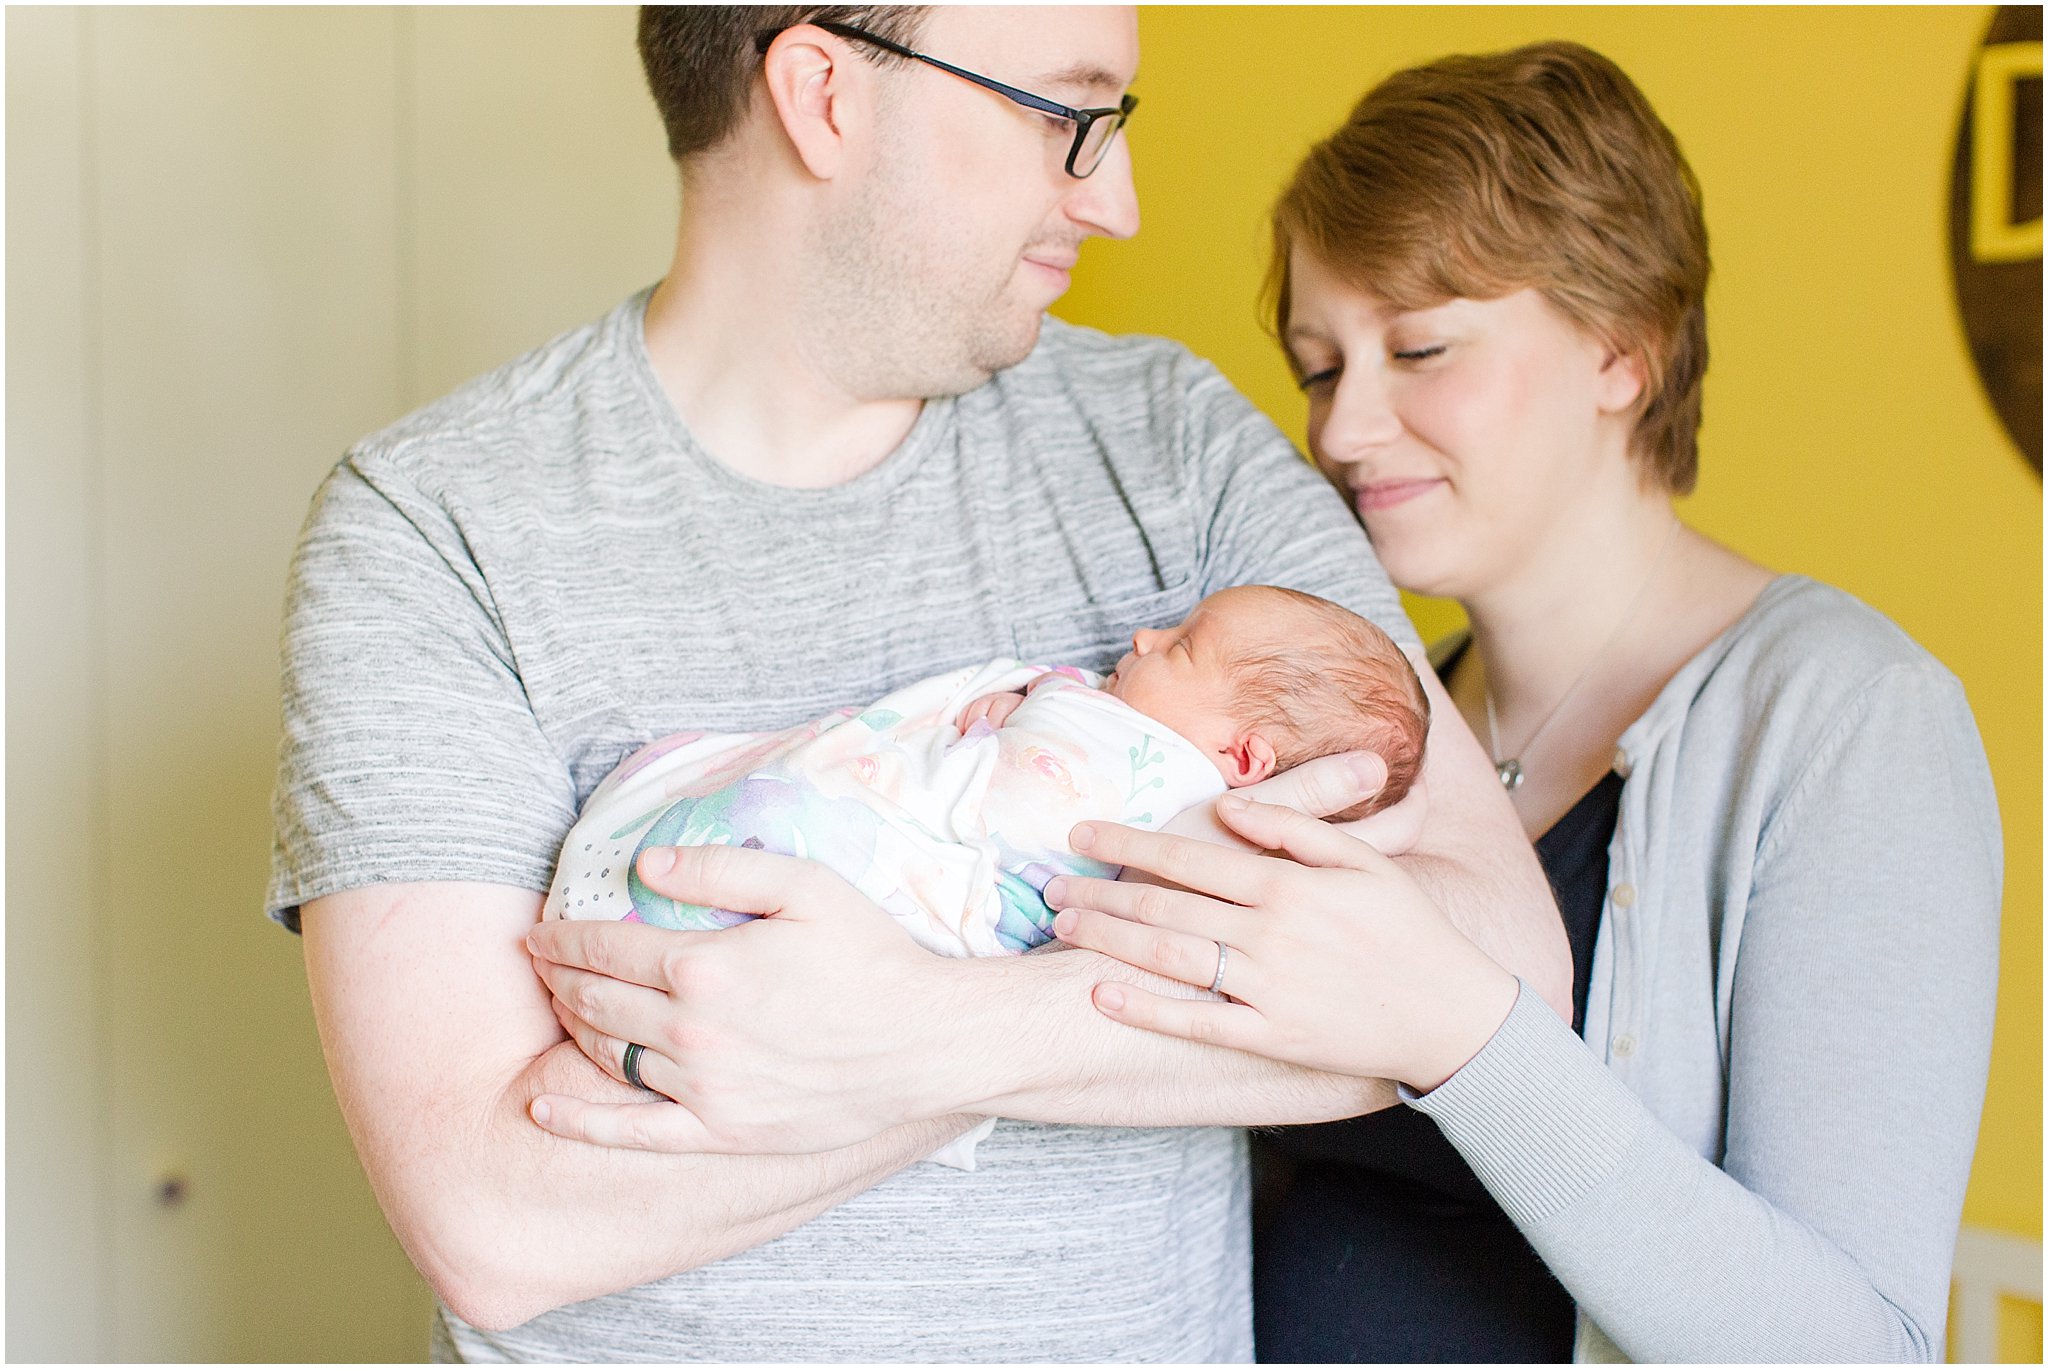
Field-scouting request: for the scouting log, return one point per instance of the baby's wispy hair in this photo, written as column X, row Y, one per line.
column 1334, row 683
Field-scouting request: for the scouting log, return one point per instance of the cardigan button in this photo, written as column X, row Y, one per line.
column 1624, row 895
column 1621, row 764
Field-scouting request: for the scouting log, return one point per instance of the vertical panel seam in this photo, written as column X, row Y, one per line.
column 406, row 165
column 100, row 944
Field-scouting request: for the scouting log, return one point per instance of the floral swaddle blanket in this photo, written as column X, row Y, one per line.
column 955, row 836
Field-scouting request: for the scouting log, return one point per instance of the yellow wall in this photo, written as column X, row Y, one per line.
column 238, row 238
column 1846, row 435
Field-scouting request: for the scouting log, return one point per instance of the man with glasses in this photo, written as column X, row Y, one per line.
column 839, row 448
column 1093, row 128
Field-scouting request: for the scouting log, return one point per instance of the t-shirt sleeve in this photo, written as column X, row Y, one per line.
column 1272, row 519
column 409, row 750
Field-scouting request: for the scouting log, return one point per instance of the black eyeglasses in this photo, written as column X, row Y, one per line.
column 1094, row 129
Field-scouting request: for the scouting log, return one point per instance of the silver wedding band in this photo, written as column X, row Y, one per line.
column 632, row 1065
column 1222, row 961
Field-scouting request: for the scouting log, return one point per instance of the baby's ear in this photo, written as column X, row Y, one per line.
column 1247, row 760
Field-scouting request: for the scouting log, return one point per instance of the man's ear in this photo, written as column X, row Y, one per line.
column 818, row 93
column 1622, row 381
column 1247, row 759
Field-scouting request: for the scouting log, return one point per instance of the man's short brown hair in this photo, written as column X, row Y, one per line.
column 701, row 59
column 1540, row 168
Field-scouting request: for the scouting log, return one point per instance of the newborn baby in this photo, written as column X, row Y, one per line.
column 951, row 800
column 1260, row 679
column 948, row 802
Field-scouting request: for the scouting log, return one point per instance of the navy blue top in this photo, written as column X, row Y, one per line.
column 1372, row 1239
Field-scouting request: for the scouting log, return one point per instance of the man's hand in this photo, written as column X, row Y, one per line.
column 1326, row 785
column 770, row 1037
column 993, row 709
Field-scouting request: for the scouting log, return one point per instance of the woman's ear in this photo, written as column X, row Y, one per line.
column 1247, row 759
column 819, row 96
column 1622, row 380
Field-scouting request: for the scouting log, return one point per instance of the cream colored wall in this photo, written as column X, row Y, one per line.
column 238, row 238
column 56, row 1127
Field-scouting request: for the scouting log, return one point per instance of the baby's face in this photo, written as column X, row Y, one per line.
column 1181, row 675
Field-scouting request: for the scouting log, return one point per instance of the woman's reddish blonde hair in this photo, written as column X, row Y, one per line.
column 1540, row 168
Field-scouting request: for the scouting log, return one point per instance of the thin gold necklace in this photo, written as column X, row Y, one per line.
column 1510, row 769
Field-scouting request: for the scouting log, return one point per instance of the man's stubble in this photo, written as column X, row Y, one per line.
column 912, row 302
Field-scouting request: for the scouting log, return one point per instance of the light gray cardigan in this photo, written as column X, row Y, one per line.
column 1759, row 1150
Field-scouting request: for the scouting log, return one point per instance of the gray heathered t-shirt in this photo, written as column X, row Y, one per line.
column 498, row 598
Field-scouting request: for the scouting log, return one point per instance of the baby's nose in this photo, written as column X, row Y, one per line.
column 1143, row 638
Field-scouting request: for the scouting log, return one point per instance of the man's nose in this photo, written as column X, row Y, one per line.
column 1105, row 202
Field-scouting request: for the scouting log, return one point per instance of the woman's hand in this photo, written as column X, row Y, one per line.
column 1337, row 961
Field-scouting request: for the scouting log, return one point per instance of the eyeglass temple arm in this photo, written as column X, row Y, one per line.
column 764, row 40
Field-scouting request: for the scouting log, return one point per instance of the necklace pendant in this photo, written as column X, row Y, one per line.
column 1510, row 772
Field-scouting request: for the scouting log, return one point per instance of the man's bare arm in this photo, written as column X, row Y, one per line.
column 1476, row 863
column 1007, row 1037
column 1471, row 857
column 438, row 1037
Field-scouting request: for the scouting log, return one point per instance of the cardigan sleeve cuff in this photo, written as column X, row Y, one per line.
column 1539, row 1119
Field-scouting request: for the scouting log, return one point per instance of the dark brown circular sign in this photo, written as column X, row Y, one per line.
column 1995, row 221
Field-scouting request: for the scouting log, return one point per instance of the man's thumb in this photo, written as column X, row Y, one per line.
column 1325, row 785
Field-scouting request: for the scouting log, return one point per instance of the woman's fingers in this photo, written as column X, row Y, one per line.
column 1153, row 905
column 1214, row 1024
column 1188, row 957
column 1236, row 876
column 1309, row 841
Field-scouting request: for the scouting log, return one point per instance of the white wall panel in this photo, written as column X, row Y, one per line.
column 56, row 893
column 249, row 249
column 543, row 193
column 238, row 239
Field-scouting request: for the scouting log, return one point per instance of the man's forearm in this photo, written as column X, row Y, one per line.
column 1476, row 864
column 439, row 1037
column 568, row 1221
column 1499, row 911
column 1077, row 1066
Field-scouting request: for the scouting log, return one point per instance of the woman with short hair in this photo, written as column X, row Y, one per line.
column 1765, row 810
